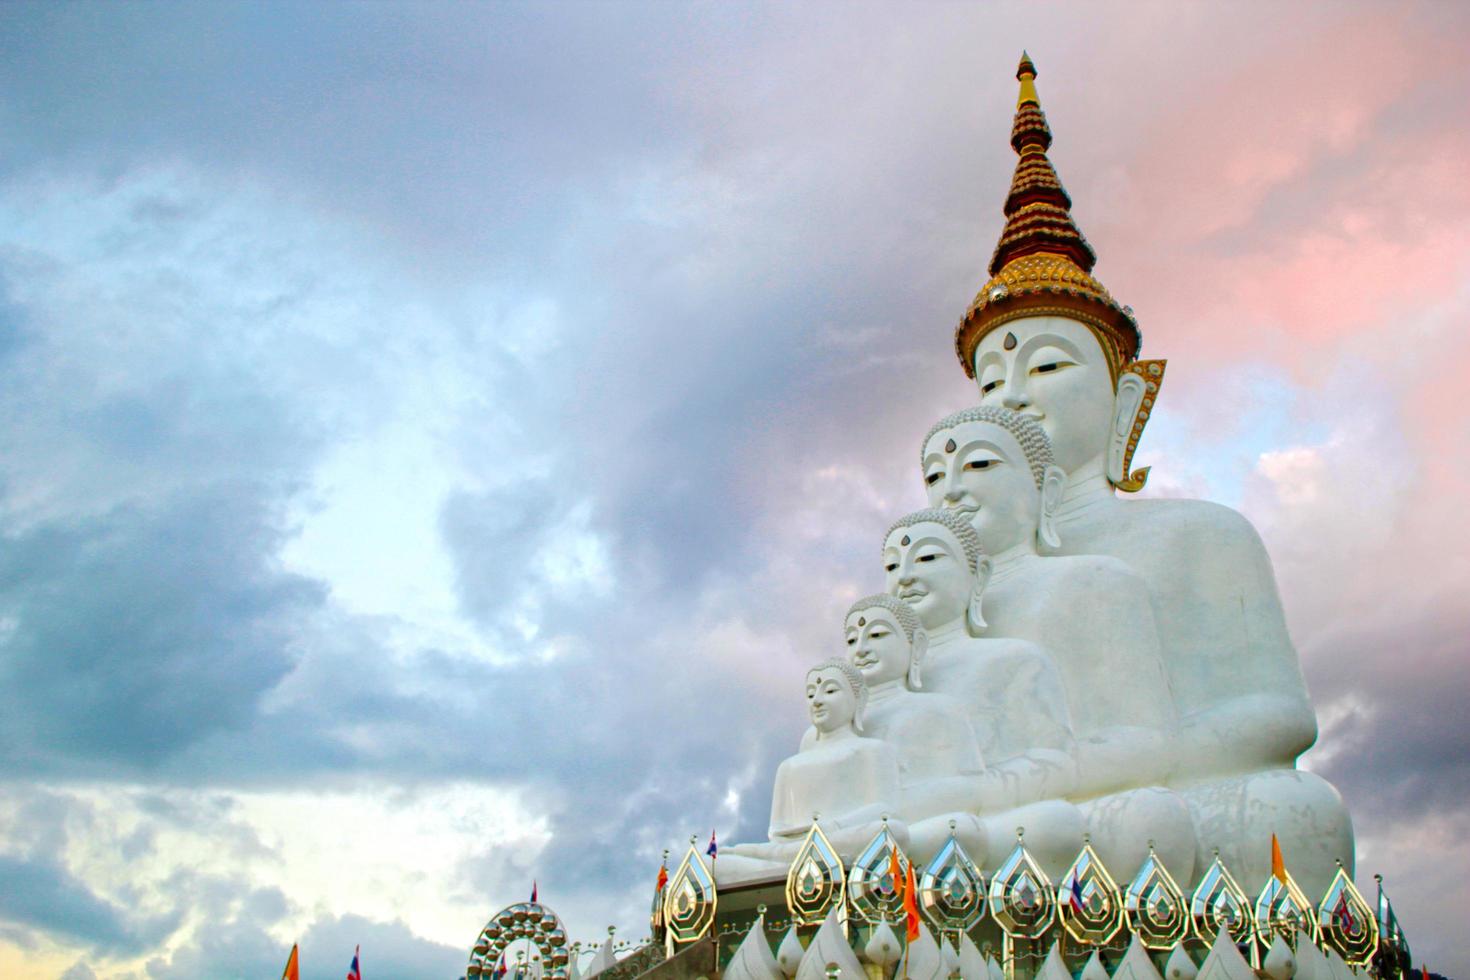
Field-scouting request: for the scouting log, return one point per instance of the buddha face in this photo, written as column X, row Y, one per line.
column 926, row 567
column 1054, row 370
column 830, row 700
column 878, row 646
column 986, row 479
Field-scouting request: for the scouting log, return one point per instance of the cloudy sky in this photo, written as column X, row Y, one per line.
column 434, row 440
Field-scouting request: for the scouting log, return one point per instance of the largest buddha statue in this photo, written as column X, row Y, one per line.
column 1045, row 339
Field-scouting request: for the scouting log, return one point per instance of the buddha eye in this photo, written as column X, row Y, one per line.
column 933, row 478
column 852, row 641
column 927, row 557
column 892, row 567
column 1050, row 366
column 990, row 386
column 981, row 464
column 877, row 634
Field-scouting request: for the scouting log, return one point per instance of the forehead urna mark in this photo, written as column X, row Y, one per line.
column 1010, row 341
column 906, row 540
column 862, row 621
column 949, row 446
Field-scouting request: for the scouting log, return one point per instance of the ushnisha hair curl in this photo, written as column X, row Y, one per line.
column 955, row 524
column 1027, row 431
column 902, row 611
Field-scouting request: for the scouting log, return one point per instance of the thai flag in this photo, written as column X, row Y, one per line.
column 533, row 892
column 354, row 972
column 1076, row 898
column 1344, row 915
column 713, row 849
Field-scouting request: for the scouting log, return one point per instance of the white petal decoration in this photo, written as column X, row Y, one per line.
column 883, row 948
column 1280, row 961
column 925, row 961
column 1094, row 970
column 829, row 946
column 753, row 959
column 972, row 964
column 1180, row 965
column 1054, row 968
column 790, row 952
column 1137, row 964
column 1225, row 961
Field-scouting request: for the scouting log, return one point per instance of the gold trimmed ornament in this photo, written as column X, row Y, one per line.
column 952, row 888
column 1155, row 907
column 1088, row 902
column 1283, row 910
column 815, row 882
column 1346, row 923
column 874, row 895
column 690, row 898
column 1220, row 903
column 1022, row 899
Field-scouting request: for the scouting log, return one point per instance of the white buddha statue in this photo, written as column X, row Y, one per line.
column 1091, row 616
column 930, row 732
column 850, row 780
column 1045, row 339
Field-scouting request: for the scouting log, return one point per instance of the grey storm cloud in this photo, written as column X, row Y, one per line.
column 43, row 895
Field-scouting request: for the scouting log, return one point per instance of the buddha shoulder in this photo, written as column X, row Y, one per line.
column 1192, row 523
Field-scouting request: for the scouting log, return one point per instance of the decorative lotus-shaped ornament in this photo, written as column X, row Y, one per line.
column 952, row 889
column 815, row 884
column 689, row 899
column 870, row 886
column 1155, row 907
column 1220, row 903
column 1282, row 910
column 1087, row 899
column 1346, row 923
column 1022, row 900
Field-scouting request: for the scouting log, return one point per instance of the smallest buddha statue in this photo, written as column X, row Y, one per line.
column 839, row 774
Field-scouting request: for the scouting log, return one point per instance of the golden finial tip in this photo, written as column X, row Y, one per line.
column 1026, row 75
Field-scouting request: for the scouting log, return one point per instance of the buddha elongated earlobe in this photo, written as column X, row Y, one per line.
column 1138, row 389
column 1053, row 482
column 919, row 650
column 973, row 616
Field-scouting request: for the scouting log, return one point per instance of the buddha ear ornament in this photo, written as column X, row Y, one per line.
column 974, row 619
column 1138, row 388
column 919, row 649
column 1053, row 482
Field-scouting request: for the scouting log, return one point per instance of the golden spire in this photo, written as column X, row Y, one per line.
column 1042, row 264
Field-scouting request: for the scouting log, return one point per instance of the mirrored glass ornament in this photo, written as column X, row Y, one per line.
column 1283, row 910
column 952, row 889
column 689, row 899
column 1088, row 902
column 815, row 882
column 871, row 889
column 1220, row 903
column 1021, row 897
column 1154, row 906
column 1345, row 922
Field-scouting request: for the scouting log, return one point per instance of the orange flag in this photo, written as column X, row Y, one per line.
column 895, row 871
column 663, row 877
column 292, row 971
column 1278, row 866
column 911, row 906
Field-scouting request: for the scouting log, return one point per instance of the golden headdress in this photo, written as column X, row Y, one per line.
column 1042, row 264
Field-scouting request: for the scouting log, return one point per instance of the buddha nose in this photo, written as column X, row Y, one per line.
column 1015, row 398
